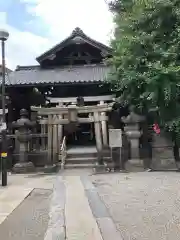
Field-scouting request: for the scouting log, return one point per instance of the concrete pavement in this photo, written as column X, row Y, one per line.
column 72, row 214
column 143, row 206
column 30, row 219
column 77, row 213
column 132, row 206
column 19, row 187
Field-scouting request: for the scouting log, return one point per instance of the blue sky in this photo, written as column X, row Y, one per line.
column 36, row 25
column 18, row 17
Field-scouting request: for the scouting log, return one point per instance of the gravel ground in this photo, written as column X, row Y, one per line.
column 144, row 206
column 29, row 220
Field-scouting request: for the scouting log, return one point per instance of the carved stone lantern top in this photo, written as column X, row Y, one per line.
column 133, row 118
column 23, row 123
column 132, row 124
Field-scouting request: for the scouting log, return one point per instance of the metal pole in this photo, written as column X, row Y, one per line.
column 4, row 140
column 3, row 82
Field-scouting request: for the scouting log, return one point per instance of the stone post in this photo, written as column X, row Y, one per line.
column 43, row 139
column 36, row 141
column 133, row 133
column 23, row 136
column 60, row 130
column 97, row 126
column 50, row 167
column 50, row 138
column 55, row 142
column 60, row 127
column 104, row 128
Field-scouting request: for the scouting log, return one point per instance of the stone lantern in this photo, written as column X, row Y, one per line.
column 23, row 126
column 132, row 131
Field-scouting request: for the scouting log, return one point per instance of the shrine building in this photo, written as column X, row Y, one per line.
column 73, row 69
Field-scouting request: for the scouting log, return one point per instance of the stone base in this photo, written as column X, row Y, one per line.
column 108, row 167
column 178, row 165
column 164, row 164
column 25, row 167
column 50, row 168
column 99, row 168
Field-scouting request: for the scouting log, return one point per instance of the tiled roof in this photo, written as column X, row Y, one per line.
column 75, row 74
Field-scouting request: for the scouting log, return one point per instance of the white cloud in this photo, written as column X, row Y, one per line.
column 22, row 47
column 60, row 17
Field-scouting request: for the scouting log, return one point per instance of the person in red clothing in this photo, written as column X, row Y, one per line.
column 156, row 128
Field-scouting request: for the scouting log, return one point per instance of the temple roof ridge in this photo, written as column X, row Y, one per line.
column 38, row 67
column 77, row 32
column 26, row 67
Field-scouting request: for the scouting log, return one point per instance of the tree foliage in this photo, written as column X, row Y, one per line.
column 146, row 59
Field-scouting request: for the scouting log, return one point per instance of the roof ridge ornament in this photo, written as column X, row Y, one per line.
column 77, row 30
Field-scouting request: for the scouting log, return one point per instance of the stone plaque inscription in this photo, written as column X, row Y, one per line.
column 115, row 138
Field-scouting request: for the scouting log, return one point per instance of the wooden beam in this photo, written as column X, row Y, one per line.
column 86, row 99
column 79, row 120
column 64, row 110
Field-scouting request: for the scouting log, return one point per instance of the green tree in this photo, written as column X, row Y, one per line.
column 146, row 60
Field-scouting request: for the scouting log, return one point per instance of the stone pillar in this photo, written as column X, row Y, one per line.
column 60, row 127
column 104, row 128
column 91, row 127
column 99, row 145
column 97, row 126
column 50, row 134
column 43, row 139
column 50, row 167
column 55, row 141
column 60, row 130
column 133, row 133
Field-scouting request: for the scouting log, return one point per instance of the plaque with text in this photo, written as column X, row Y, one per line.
column 115, row 138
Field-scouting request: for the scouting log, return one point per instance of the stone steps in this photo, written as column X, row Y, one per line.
column 79, row 165
column 82, row 155
column 81, row 158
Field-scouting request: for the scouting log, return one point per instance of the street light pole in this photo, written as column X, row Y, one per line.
column 3, row 81
column 3, row 37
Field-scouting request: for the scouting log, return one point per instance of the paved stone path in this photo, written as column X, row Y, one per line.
column 19, row 187
column 75, row 209
column 144, row 206
column 77, row 213
column 29, row 220
column 134, row 206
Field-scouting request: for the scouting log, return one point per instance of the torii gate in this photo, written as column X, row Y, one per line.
column 55, row 117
